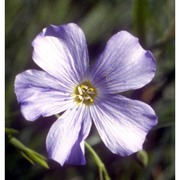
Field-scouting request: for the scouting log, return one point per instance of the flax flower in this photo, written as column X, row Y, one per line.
column 86, row 93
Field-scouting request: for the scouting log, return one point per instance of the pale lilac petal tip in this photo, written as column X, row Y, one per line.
column 65, row 140
column 124, row 64
column 123, row 123
column 40, row 94
column 62, row 52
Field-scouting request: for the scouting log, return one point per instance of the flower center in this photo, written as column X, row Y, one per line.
column 84, row 93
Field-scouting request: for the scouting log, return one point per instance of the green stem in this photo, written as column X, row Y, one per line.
column 100, row 164
column 57, row 116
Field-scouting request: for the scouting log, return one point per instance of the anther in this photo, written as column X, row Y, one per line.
column 80, row 90
column 85, row 93
column 84, row 87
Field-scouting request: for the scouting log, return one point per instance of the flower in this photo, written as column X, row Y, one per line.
column 87, row 93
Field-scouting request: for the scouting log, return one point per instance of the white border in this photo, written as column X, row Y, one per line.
column 2, row 88
column 177, row 89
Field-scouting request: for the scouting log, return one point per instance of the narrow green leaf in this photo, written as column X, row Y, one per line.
column 39, row 155
column 32, row 156
column 26, row 157
column 15, row 142
column 10, row 131
column 38, row 159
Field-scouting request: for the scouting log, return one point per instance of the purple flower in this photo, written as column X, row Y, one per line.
column 87, row 93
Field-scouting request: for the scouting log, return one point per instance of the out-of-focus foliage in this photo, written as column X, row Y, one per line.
column 153, row 22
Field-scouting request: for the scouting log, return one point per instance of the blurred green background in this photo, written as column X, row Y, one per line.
column 150, row 20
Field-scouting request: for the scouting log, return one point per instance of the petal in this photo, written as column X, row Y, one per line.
column 62, row 52
column 41, row 94
column 65, row 140
column 123, row 123
column 124, row 64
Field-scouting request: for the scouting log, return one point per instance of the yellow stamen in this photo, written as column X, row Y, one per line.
column 84, row 93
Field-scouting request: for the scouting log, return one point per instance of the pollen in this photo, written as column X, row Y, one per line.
column 85, row 93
